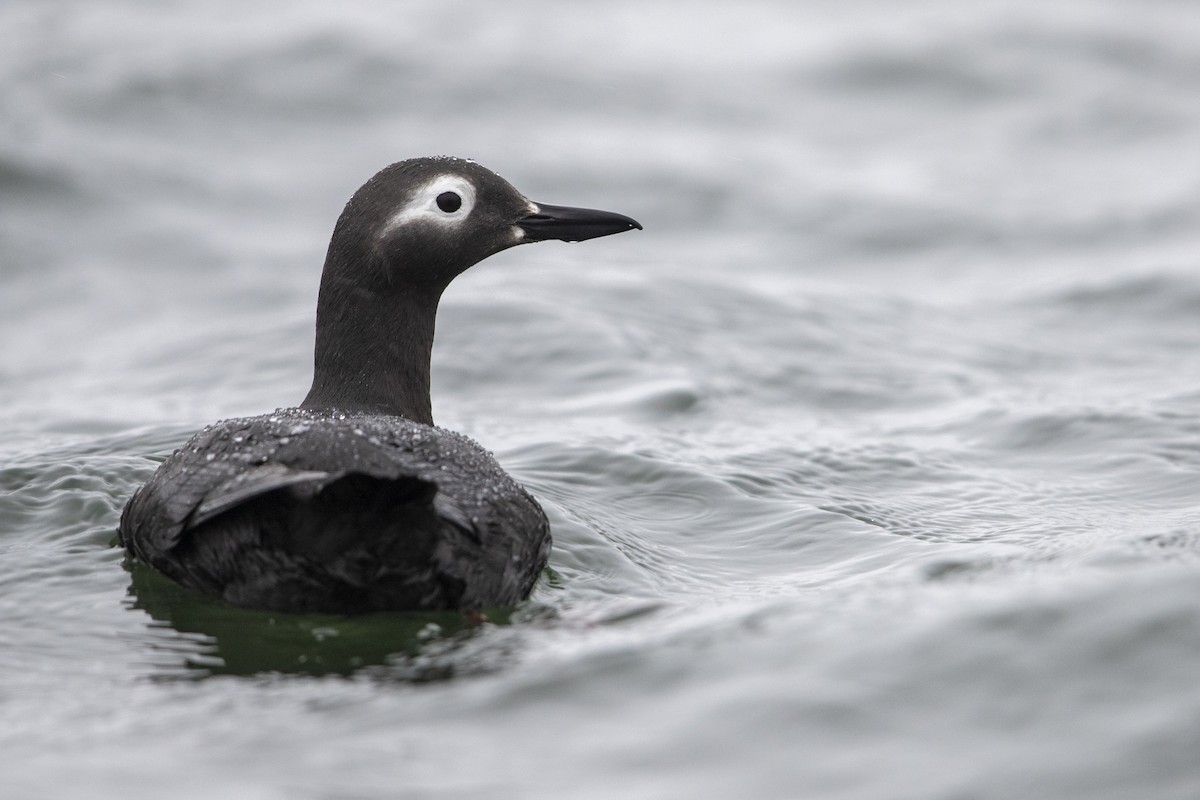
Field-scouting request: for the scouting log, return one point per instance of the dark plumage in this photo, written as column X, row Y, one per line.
column 354, row 501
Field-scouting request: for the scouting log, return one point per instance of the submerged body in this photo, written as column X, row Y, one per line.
column 355, row 501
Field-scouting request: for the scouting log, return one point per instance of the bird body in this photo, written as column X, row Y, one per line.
column 304, row 510
column 355, row 501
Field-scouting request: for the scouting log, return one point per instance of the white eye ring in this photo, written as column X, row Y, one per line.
column 423, row 204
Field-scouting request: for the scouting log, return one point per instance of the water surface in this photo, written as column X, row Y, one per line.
column 871, row 463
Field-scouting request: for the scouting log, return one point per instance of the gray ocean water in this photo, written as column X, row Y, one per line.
column 872, row 462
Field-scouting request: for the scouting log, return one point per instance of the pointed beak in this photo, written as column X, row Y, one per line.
column 573, row 224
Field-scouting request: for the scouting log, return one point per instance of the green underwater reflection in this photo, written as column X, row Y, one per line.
column 221, row 639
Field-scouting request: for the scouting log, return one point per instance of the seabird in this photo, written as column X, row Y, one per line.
column 354, row 501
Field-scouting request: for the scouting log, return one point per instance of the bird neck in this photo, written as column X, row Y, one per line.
column 373, row 349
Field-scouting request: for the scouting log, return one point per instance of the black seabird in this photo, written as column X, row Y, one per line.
column 354, row 501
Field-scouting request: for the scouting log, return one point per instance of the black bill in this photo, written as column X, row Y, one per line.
column 573, row 224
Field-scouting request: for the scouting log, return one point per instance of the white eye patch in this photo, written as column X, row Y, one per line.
column 445, row 200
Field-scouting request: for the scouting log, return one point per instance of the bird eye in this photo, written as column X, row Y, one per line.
column 449, row 202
